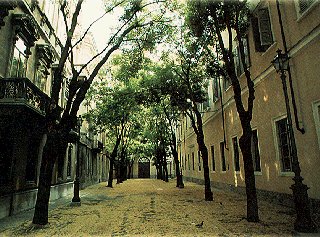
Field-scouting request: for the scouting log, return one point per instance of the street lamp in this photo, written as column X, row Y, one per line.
column 303, row 222
column 76, row 187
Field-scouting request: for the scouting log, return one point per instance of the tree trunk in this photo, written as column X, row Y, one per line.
column 165, row 170
column 130, row 169
column 178, row 174
column 252, row 201
column 206, row 173
column 112, row 161
column 53, row 148
column 204, row 155
column 110, row 179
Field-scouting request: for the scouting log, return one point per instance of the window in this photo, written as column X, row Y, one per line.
column 199, row 159
column 216, row 89
column 192, row 156
column 182, row 163
column 226, row 83
column 304, row 5
column 223, row 158
column 316, row 115
column 45, row 57
column 185, row 163
column 237, row 59
column 284, row 145
column 213, row 165
column 262, row 31
column 60, row 166
column 255, row 151
column 236, row 154
column 18, row 64
column 189, row 161
column 69, row 161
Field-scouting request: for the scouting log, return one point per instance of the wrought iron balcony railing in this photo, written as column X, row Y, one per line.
column 21, row 91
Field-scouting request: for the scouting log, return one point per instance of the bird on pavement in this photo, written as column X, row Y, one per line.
column 199, row 225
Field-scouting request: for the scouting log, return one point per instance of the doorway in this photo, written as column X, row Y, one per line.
column 144, row 168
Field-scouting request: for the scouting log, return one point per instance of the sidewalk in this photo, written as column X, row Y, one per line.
column 144, row 207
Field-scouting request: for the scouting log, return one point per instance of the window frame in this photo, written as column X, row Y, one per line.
column 199, row 160
column 277, row 147
column 256, row 25
column 21, row 52
column 235, row 150
column 316, row 116
column 256, row 172
column 223, row 157
column 301, row 15
column 239, row 69
column 213, row 162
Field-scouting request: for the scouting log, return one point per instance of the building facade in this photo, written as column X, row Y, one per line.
column 295, row 27
column 30, row 46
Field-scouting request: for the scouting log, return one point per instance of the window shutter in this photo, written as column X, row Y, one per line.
column 256, row 34
column 246, row 50
column 304, row 5
column 266, row 38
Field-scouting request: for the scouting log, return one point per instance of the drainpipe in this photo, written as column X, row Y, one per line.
column 294, row 105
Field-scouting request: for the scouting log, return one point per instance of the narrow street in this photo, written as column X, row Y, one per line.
column 145, row 207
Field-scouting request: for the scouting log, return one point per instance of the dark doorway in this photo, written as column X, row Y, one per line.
column 144, row 168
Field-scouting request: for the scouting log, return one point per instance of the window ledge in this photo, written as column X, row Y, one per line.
column 270, row 48
column 301, row 16
column 287, row 174
column 223, row 172
column 258, row 173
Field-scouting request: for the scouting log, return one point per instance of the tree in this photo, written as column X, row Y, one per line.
column 155, row 95
column 115, row 109
column 188, row 95
column 138, row 16
column 183, row 79
column 210, row 20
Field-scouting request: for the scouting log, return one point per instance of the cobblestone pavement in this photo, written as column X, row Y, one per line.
column 145, row 207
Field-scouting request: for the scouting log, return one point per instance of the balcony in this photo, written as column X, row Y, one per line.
column 22, row 92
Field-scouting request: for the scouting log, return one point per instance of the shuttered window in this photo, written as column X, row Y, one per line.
column 304, row 5
column 265, row 27
column 237, row 56
column 262, row 32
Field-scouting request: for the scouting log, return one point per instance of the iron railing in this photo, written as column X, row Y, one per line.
column 21, row 91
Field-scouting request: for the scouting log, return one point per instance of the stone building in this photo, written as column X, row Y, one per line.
column 30, row 44
column 295, row 27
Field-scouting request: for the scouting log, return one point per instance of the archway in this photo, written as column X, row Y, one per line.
column 144, row 168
